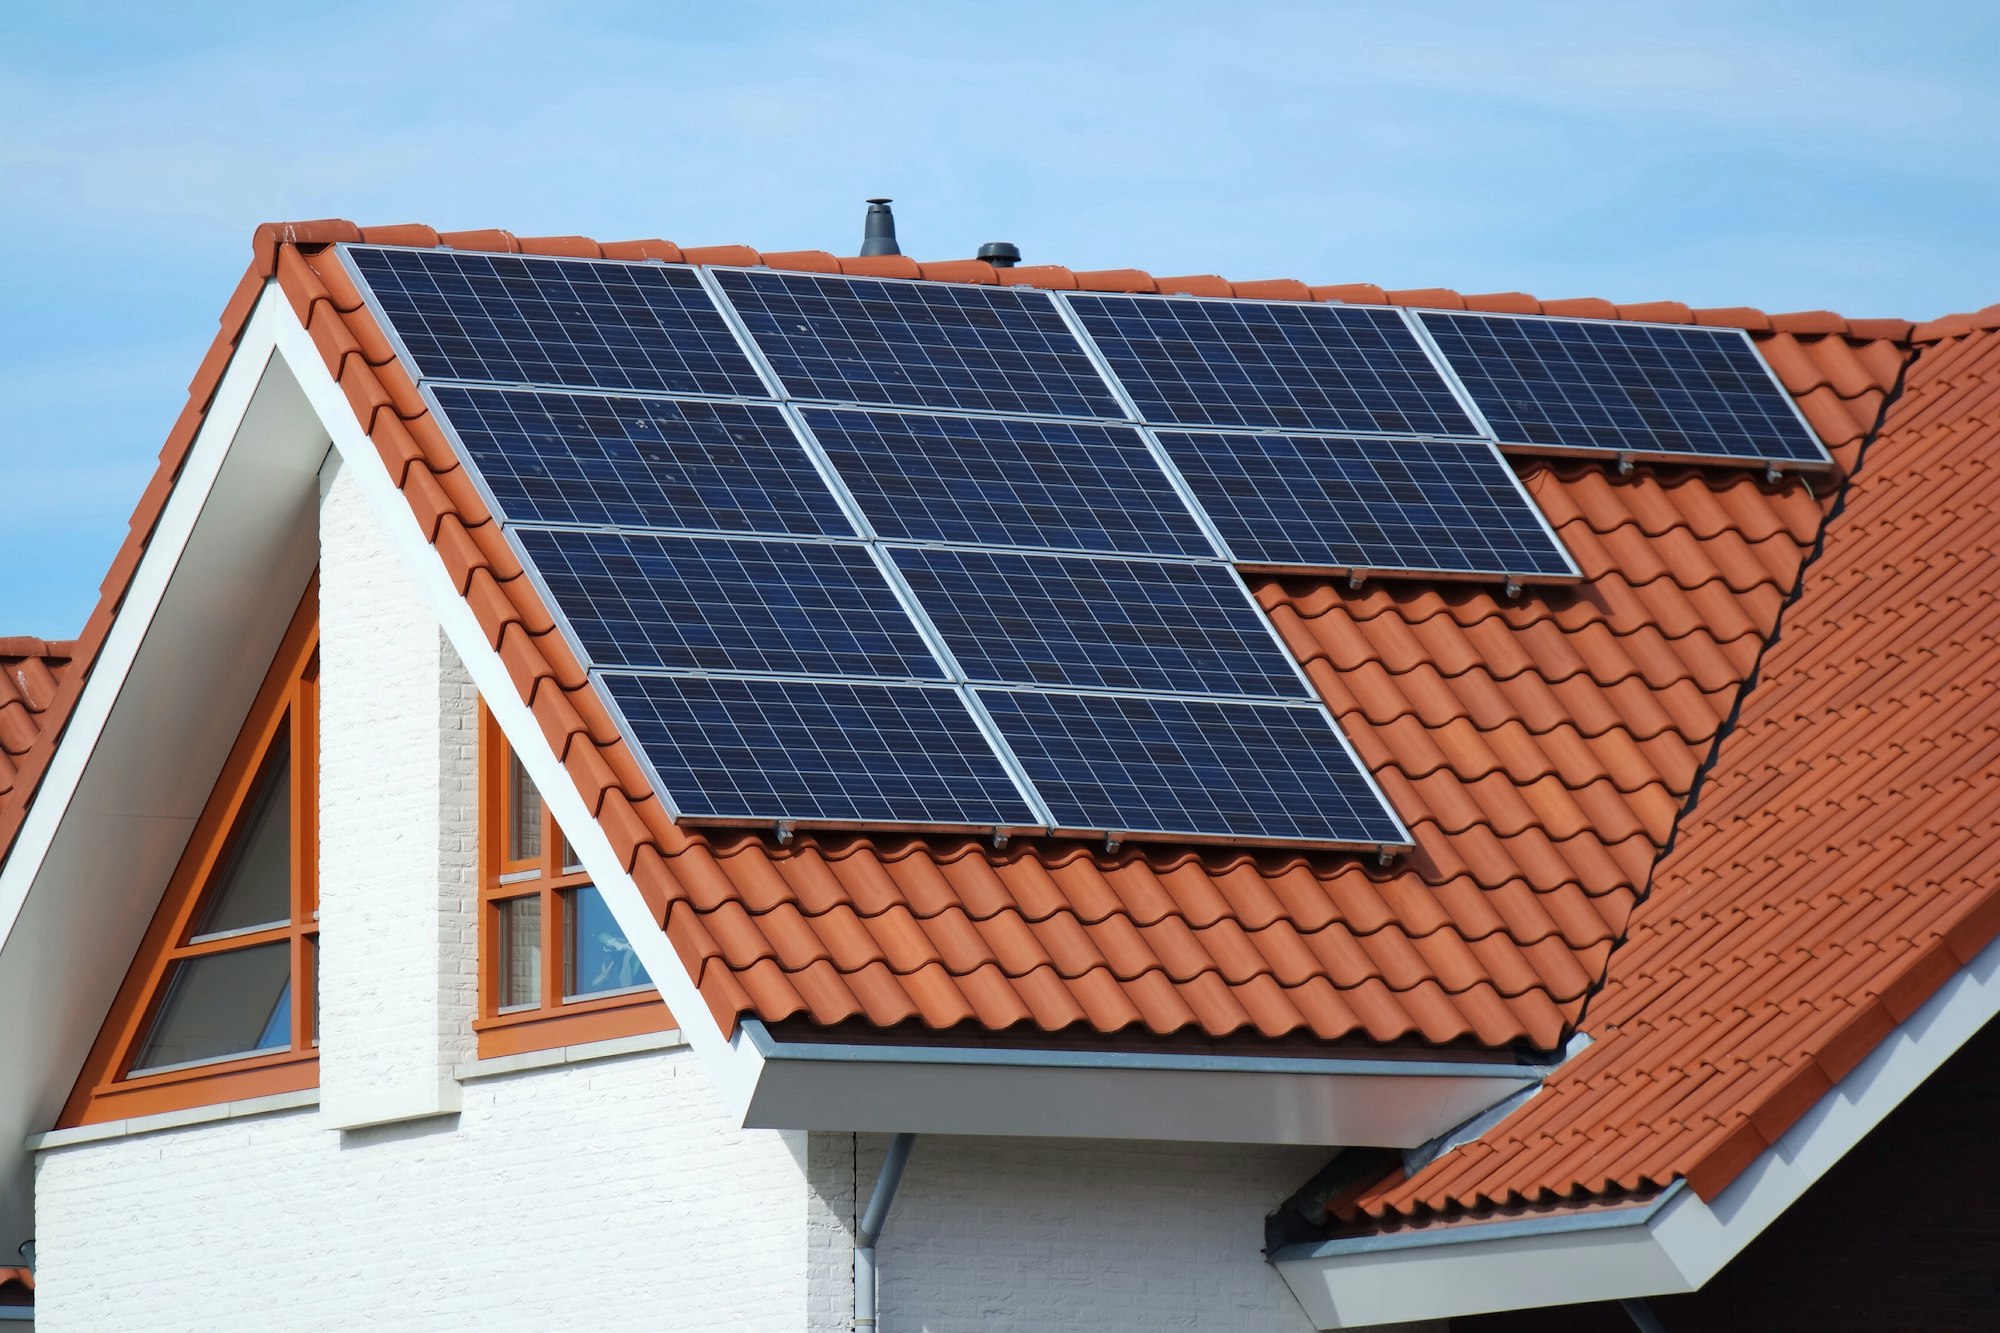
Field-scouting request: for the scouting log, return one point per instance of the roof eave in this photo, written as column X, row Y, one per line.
column 1673, row 1243
column 1055, row 1093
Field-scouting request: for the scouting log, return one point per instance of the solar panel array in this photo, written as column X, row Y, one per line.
column 884, row 552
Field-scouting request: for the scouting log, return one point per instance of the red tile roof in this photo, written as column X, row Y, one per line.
column 1538, row 747
column 1541, row 749
column 1842, row 861
column 31, row 674
column 17, row 1285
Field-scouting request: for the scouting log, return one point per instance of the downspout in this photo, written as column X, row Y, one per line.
column 870, row 1229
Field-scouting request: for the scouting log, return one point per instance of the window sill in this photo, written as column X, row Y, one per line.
column 164, row 1120
column 583, row 1052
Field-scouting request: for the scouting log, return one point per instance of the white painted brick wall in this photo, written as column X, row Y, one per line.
column 1061, row 1235
column 607, row 1196
column 398, row 812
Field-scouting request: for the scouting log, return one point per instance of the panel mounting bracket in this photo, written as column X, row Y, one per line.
column 784, row 830
column 1384, row 855
column 1355, row 578
column 1624, row 464
column 1112, row 842
column 1513, row 585
column 1771, row 474
column 999, row 839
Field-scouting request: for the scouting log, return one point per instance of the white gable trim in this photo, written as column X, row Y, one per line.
column 1675, row 1246
column 178, row 668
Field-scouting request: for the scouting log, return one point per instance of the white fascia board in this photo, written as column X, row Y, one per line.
column 489, row 674
column 1019, row 1091
column 180, row 663
column 1675, row 1244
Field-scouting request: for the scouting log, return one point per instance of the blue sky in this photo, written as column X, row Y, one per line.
column 1788, row 156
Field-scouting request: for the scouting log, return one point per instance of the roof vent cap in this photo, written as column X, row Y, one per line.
column 878, row 230
column 1000, row 254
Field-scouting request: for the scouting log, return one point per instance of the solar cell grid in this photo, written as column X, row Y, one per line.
column 1098, row 623
column 1622, row 386
column 1317, row 501
column 842, row 752
column 918, row 344
column 1297, row 365
column 985, row 481
column 509, row 319
column 1191, row 767
column 728, row 604
column 604, row 461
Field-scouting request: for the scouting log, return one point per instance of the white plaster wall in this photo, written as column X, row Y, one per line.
column 1060, row 1235
column 606, row 1196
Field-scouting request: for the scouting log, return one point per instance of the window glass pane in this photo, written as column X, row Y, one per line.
column 223, row 1004
column 254, row 887
column 312, row 961
column 524, row 805
column 520, row 952
column 600, row 958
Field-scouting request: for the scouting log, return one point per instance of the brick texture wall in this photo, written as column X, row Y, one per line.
column 609, row 1196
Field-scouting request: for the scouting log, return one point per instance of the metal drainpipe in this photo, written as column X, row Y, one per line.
column 1642, row 1316
column 870, row 1229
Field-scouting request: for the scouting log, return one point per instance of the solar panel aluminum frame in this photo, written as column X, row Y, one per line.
column 707, row 273
column 1116, row 837
column 1824, row 463
column 784, row 828
column 387, row 326
column 1400, row 313
column 1357, row 573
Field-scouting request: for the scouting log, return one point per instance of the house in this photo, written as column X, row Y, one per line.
column 359, row 974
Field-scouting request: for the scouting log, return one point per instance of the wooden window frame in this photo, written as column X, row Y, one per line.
column 287, row 703
column 553, row 1021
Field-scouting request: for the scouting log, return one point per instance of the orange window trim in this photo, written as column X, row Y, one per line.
column 553, row 1021
column 286, row 703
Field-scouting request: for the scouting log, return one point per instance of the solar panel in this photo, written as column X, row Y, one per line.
column 1667, row 390
column 1300, row 365
column 1196, row 768
column 1337, row 502
column 985, row 481
column 508, row 319
column 842, row 752
column 1099, row 623
column 728, row 604
column 918, row 344
column 602, row 461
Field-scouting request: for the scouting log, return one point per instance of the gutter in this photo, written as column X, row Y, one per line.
column 1014, row 1091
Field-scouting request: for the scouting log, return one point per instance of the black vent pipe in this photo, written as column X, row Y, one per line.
column 878, row 230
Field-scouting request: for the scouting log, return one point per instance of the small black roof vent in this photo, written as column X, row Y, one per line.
column 1000, row 254
column 878, row 230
